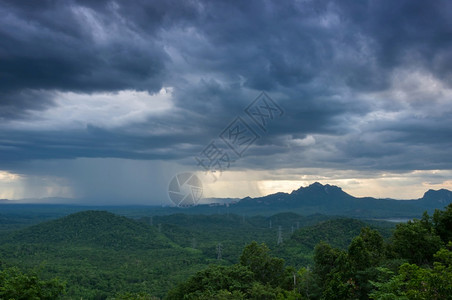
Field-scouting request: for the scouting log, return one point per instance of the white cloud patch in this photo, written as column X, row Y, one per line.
column 106, row 110
column 307, row 141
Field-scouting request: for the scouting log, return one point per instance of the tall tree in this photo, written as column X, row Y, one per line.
column 416, row 242
column 266, row 269
column 14, row 284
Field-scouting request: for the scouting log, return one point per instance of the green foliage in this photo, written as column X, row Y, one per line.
column 368, row 268
column 257, row 276
column 104, row 256
column 299, row 249
column 442, row 222
column 414, row 282
column 93, row 228
column 266, row 269
column 17, row 285
column 337, row 232
column 346, row 275
column 213, row 280
column 358, row 254
column 416, row 241
column 325, row 260
column 100, row 255
column 134, row 296
column 373, row 244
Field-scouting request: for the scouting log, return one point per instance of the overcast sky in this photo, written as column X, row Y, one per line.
column 108, row 100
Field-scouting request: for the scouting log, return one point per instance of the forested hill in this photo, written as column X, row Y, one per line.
column 100, row 254
column 337, row 232
column 414, row 263
column 298, row 249
column 93, row 228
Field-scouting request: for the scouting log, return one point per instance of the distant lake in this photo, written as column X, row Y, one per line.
column 395, row 220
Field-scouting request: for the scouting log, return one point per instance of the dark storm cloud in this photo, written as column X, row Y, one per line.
column 416, row 32
column 50, row 45
column 316, row 58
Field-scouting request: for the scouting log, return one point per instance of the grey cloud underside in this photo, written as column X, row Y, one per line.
column 316, row 58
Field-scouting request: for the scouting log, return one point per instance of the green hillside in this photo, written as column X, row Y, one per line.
column 338, row 233
column 298, row 250
column 93, row 228
column 415, row 262
column 100, row 254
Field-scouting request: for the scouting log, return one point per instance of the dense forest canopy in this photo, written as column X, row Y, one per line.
column 100, row 255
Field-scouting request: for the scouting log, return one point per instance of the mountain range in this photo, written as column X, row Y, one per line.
column 313, row 199
column 330, row 199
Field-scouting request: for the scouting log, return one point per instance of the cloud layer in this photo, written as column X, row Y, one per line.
column 365, row 86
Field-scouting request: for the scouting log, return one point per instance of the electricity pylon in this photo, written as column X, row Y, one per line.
column 219, row 248
column 279, row 235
